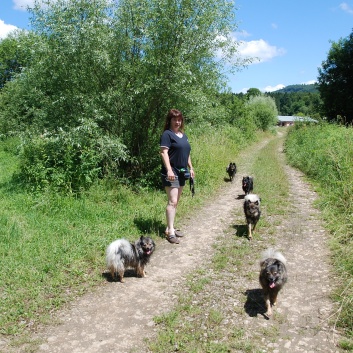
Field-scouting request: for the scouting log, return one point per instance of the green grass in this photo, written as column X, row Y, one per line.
column 52, row 246
column 271, row 180
column 196, row 324
column 325, row 153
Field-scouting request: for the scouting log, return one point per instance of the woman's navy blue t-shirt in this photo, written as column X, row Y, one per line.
column 178, row 149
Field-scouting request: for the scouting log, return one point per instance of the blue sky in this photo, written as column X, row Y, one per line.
column 291, row 38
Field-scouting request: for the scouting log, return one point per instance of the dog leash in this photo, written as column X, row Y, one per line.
column 192, row 186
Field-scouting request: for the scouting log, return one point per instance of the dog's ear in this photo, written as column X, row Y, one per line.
column 280, row 265
column 263, row 264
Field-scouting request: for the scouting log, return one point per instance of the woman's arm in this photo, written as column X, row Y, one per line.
column 192, row 173
column 166, row 162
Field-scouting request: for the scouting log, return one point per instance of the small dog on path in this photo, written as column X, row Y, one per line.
column 231, row 170
column 247, row 184
column 121, row 255
column 252, row 212
column 273, row 276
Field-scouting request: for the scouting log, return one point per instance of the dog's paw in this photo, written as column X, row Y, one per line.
column 268, row 313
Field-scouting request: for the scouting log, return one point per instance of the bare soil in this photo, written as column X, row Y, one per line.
column 118, row 317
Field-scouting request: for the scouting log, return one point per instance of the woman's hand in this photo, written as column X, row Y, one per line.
column 170, row 175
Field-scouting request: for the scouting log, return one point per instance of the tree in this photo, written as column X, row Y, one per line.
column 253, row 92
column 15, row 52
column 122, row 65
column 263, row 111
column 336, row 81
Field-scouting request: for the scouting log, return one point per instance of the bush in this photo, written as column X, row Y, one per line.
column 264, row 111
column 68, row 160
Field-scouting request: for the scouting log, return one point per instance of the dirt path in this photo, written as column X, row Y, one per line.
column 117, row 317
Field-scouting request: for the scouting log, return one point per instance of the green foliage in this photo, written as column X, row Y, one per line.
column 293, row 100
column 253, row 92
column 297, row 103
column 69, row 161
column 122, row 65
column 336, row 81
column 263, row 111
column 325, row 153
column 15, row 53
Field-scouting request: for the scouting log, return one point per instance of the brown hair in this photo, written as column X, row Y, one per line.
column 174, row 113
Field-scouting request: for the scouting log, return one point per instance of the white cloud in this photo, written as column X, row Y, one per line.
column 257, row 51
column 5, row 29
column 272, row 89
column 345, row 7
column 274, row 25
column 260, row 50
column 311, row 82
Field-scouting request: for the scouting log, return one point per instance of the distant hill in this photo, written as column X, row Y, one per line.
column 298, row 88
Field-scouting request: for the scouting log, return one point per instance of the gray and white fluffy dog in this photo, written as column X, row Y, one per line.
column 252, row 212
column 273, row 276
column 122, row 254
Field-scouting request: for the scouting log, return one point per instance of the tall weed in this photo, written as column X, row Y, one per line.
column 68, row 161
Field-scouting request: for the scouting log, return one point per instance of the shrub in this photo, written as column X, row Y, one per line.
column 264, row 111
column 69, row 160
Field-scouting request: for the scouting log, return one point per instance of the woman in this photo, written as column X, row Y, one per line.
column 175, row 153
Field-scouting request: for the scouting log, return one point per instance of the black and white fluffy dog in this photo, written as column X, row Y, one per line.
column 247, row 184
column 231, row 170
column 121, row 255
column 252, row 212
column 273, row 276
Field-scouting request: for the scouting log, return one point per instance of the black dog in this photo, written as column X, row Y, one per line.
column 231, row 170
column 121, row 254
column 273, row 276
column 248, row 184
column 252, row 212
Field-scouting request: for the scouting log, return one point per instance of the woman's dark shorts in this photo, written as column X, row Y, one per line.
column 176, row 183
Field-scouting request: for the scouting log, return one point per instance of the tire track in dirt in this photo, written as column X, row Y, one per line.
column 306, row 302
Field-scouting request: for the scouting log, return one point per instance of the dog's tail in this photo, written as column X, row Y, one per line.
column 273, row 254
column 116, row 252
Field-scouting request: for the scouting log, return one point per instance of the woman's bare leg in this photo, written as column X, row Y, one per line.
column 173, row 199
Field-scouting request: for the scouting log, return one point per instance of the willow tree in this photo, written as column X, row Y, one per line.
column 123, row 64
